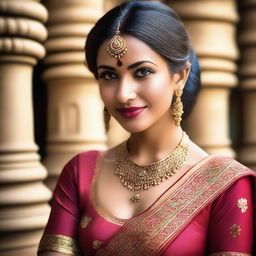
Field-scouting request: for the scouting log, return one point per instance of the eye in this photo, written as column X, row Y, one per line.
column 143, row 72
column 107, row 75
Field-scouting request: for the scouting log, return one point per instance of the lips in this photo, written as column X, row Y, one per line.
column 131, row 112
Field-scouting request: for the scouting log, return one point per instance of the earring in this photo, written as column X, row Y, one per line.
column 107, row 117
column 177, row 109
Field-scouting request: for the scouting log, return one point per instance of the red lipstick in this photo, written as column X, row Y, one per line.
column 130, row 112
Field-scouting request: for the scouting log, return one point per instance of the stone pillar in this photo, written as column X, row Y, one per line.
column 23, row 196
column 211, row 25
column 75, row 112
column 247, row 73
column 108, row 4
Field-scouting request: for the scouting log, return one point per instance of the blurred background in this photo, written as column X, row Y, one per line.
column 50, row 107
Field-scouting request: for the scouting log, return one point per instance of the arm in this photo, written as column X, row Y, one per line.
column 231, row 225
column 59, row 237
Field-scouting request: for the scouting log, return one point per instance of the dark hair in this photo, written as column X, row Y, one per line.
column 160, row 28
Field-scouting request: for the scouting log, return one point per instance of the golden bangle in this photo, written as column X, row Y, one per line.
column 59, row 243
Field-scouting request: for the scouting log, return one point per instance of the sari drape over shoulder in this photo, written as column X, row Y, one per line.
column 209, row 211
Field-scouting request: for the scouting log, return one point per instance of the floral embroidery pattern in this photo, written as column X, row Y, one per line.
column 97, row 244
column 85, row 221
column 242, row 203
column 235, row 230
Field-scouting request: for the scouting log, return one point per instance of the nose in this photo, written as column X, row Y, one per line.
column 126, row 91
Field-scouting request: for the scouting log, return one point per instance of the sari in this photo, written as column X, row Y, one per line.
column 208, row 211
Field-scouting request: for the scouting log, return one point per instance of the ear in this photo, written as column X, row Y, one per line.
column 180, row 78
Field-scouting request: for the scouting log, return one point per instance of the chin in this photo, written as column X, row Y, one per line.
column 134, row 128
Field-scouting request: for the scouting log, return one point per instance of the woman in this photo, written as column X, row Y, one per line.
column 158, row 193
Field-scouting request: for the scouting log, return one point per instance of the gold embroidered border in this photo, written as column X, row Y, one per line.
column 230, row 254
column 159, row 226
column 59, row 243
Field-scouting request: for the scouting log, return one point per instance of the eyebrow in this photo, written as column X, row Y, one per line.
column 106, row 67
column 134, row 65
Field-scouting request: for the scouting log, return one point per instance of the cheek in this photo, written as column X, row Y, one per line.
column 159, row 91
column 106, row 95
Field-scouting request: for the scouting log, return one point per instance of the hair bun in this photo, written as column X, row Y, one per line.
column 193, row 84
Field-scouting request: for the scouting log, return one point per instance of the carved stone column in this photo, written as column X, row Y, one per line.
column 247, row 71
column 211, row 25
column 23, row 196
column 75, row 112
column 108, row 4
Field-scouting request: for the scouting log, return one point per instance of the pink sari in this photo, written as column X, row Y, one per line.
column 209, row 211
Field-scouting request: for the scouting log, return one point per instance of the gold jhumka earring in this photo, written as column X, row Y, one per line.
column 117, row 46
column 177, row 108
column 107, row 117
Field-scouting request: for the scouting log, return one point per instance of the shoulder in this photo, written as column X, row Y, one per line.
column 84, row 157
column 233, row 179
column 80, row 162
column 228, row 175
column 229, row 165
column 215, row 164
column 79, row 169
column 241, row 190
column 219, row 173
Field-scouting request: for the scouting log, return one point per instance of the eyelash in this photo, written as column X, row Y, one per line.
column 148, row 70
column 112, row 75
column 103, row 75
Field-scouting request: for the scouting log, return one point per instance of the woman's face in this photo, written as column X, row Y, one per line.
column 139, row 93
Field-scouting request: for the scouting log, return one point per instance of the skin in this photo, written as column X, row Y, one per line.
column 149, row 84
column 144, row 80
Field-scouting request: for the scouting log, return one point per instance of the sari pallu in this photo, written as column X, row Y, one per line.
column 153, row 231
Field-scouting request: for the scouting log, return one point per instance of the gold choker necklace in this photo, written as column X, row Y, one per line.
column 141, row 177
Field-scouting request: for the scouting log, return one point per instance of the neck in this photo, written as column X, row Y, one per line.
column 153, row 144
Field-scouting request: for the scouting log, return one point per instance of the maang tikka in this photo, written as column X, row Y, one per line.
column 117, row 46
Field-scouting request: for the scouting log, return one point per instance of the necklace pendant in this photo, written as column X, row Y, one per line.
column 135, row 198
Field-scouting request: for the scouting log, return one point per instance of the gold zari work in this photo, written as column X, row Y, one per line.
column 235, row 230
column 85, row 221
column 141, row 177
column 167, row 218
column 97, row 244
column 242, row 203
column 59, row 243
column 230, row 254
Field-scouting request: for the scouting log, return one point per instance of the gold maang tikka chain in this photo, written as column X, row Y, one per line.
column 141, row 177
column 117, row 46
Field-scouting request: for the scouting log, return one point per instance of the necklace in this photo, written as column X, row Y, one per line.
column 141, row 177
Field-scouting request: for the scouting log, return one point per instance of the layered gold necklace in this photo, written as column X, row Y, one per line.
column 141, row 177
